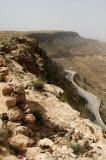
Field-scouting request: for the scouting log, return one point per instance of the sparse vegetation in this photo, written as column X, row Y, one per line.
column 38, row 116
column 77, row 148
column 3, row 134
column 38, row 84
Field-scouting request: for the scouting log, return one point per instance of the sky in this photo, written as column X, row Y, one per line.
column 88, row 17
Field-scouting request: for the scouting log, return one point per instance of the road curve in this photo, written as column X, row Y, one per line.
column 93, row 102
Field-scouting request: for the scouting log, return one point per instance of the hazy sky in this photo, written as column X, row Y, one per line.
column 88, row 17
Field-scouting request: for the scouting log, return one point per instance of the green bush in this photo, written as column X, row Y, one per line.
column 3, row 134
column 38, row 84
column 77, row 148
column 38, row 116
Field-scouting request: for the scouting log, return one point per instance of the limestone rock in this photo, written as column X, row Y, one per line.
column 2, row 47
column 7, row 90
column 20, row 141
column 44, row 156
column 13, row 125
column 53, row 89
column 1, row 123
column 11, row 102
column 32, row 152
column 4, row 70
column 3, row 150
column 46, row 143
column 29, row 118
column 77, row 135
column 15, row 115
column 20, row 97
column 10, row 157
column 19, row 89
column 23, row 130
column 2, row 62
column 2, row 77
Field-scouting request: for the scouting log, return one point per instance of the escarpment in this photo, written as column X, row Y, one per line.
column 35, row 123
column 28, row 54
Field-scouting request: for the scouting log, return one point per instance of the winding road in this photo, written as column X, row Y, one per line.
column 93, row 102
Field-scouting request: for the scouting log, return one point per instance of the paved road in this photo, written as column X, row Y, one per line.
column 93, row 101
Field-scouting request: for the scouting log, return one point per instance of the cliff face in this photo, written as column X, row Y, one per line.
column 34, row 121
column 86, row 56
column 34, row 59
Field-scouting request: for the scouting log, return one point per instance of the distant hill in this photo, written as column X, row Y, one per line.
column 65, row 44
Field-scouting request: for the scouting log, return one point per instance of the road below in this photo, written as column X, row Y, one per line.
column 93, row 102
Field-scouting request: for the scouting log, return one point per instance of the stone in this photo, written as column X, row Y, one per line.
column 32, row 152
column 68, row 136
column 3, row 150
column 7, row 90
column 2, row 47
column 10, row 157
column 20, row 97
column 13, row 125
column 29, row 118
column 15, row 115
column 83, row 143
column 53, row 89
column 27, row 111
column 3, row 134
column 44, row 156
column 78, row 135
column 1, row 123
column 2, row 77
column 19, row 89
column 4, row 116
column 2, row 62
column 45, row 143
column 39, row 60
column 11, row 102
column 4, row 70
column 23, row 130
column 20, row 141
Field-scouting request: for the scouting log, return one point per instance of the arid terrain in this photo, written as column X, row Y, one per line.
column 86, row 56
column 40, row 116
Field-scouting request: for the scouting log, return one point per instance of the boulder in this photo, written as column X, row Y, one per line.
column 1, row 123
column 2, row 77
column 7, row 90
column 20, row 141
column 29, row 118
column 19, row 89
column 32, row 152
column 10, row 157
column 15, row 115
column 11, row 102
column 20, row 97
column 44, row 156
column 2, row 47
column 53, row 89
column 2, row 62
column 77, row 135
column 13, row 125
column 23, row 130
column 45, row 143
column 4, row 70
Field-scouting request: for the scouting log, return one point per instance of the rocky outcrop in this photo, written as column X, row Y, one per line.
column 39, row 125
column 3, row 69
